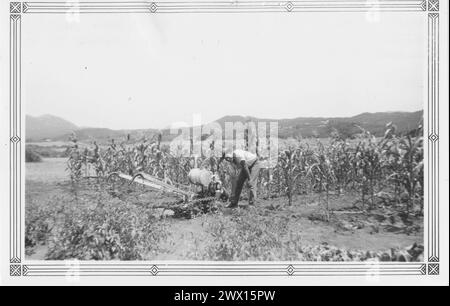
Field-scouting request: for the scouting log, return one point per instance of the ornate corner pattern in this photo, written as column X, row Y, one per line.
column 433, row 5
column 433, row 269
column 15, row 7
column 15, row 270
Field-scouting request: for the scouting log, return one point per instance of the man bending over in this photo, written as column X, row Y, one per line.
column 249, row 167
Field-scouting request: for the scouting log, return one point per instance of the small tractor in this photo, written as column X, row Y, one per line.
column 191, row 202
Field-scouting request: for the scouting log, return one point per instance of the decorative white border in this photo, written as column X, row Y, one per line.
column 19, row 267
column 225, row 269
column 227, row 6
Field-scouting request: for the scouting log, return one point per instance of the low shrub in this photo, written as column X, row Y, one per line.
column 31, row 156
column 255, row 238
column 86, row 228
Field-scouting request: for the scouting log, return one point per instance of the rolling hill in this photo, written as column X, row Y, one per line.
column 47, row 127
column 58, row 129
column 348, row 126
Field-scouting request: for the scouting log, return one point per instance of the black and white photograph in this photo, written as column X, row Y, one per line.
column 265, row 139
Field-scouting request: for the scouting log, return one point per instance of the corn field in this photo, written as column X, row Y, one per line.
column 382, row 171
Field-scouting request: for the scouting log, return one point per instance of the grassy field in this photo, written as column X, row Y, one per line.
column 96, row 220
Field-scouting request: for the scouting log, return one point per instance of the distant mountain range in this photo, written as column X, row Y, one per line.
column 348, row 126
column 52, row 128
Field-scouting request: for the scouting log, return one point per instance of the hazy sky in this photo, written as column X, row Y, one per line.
column 150, row 70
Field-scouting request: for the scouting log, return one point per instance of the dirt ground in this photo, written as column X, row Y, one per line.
column 271, row 230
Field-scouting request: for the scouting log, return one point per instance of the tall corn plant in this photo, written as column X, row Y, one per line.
column 289, row 171
column 140, row 155
column 322, row 175
column 304, row 159
column 340, row 156
column 392, row 166
column 404, row 164
column 367, row 160
column 412, row 161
